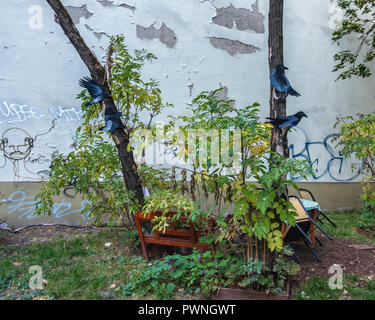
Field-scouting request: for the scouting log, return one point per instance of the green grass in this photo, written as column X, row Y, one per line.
column 346, row 222
column 354, row 288
column 82, row 268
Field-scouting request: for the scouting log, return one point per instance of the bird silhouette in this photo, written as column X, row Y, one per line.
column 111, row 126
column 281, row 83
column 96, row 91
column 284, row 121
column 112, row 121
column 109, row 115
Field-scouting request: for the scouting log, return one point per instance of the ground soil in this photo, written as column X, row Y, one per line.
column 368, row 234
column 337, row 251
column 41, row 234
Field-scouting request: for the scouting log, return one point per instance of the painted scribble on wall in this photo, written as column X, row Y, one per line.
column 22, row 207
column 13, row 113
column 325, row 159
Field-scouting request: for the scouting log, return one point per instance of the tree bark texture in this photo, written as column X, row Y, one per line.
column 279, row 138
column 98, row 74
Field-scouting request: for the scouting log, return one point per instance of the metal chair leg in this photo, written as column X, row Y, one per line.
column 328, row 219
column 317, row 240
column 295, row 255
column 306, row 237
column 297, row 259
column 312, row 251
column 320, row 228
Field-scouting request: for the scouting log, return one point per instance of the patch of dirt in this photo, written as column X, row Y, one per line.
column 367, row 234
column 41, row 234
column 337, row 251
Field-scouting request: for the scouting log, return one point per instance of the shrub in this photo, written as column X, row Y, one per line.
column 357, row 138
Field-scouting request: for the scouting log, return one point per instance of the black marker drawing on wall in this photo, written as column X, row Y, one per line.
column 16, row 144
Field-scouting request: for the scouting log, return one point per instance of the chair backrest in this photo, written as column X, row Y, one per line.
column 306, row 194
column 298, row 207
column 291, row 234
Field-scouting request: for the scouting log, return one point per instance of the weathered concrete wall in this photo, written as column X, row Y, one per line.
column 18, row 206
column 201, row 45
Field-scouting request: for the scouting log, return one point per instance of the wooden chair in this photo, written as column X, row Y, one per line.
column 186, row 237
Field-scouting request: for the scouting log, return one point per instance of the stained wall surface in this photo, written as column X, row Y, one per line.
column 201, row 45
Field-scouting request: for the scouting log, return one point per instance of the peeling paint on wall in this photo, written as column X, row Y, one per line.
column 191, row 87
column 107, row 3
column 223, row 94
column 99, row 35
column 232, row 46
column 164, row 34
column 242, row 19
column 77, row 12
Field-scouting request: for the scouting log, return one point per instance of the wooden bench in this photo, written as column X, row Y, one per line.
column 188, row 237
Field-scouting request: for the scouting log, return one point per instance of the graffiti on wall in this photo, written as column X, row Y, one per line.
column 15, row 113
column 16, row 145
column 324, row 158
column 23, row 207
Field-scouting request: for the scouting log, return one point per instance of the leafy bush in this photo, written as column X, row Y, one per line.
column 357, row 138
column 93, row 167
column 367, row 217
column 358, row 21
column 204, row 273
column 255, row 184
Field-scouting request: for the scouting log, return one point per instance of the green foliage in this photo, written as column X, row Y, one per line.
column 166, row 201
column 258, row 212
column 357, row 138
column 358, row 21
column 93, row 168
column 367, row 218
column 204, row 273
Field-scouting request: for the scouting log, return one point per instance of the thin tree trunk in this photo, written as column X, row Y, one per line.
column 98, row 74
column 279, row 141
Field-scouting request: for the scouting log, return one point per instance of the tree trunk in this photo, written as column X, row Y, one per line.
column 279, row 138
column 98, row 74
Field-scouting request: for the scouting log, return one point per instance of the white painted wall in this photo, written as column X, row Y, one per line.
column 39, row 70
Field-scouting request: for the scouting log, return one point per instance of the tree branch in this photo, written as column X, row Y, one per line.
column 97, row 71
column 98, row 74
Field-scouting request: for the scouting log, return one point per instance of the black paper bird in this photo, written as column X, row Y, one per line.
column 109, row 115
column 291, row 121
column 96, row 91
column 281, row 83
column 112, row 121
column 111, row 126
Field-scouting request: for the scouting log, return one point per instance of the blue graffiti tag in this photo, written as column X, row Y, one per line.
column 335, row 161
column 26, row 205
